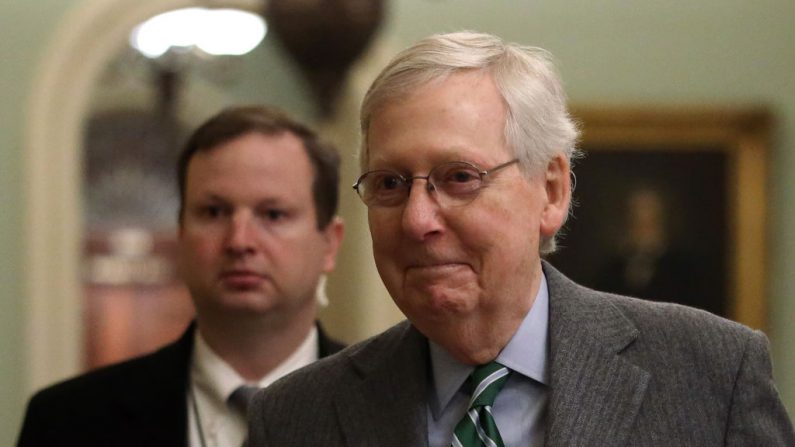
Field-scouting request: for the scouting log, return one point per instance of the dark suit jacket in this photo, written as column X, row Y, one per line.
column 140, row 402
column 623, row 372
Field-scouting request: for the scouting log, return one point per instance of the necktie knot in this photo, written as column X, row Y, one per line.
column 487, row 381
column 241, row 397
column 477, row 428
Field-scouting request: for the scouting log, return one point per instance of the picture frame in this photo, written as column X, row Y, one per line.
column 672, row 202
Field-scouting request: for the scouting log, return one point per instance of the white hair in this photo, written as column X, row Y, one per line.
column 538, row 126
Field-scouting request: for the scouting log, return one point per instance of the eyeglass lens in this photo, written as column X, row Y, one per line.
column 454, row 182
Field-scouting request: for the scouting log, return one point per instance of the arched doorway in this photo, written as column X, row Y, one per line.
column 87, row 39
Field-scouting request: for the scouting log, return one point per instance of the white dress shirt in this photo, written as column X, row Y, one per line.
column 212, row 381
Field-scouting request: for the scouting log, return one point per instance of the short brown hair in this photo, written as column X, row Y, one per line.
column 237, row 121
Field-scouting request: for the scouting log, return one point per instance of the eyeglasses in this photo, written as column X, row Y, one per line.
column 456, row 183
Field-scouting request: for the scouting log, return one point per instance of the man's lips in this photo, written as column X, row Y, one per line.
column 241, row 277
column 436, row 266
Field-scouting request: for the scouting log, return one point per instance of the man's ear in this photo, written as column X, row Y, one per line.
column 557, row 185
column 333, row 233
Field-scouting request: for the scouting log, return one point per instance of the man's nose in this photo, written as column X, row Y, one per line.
column 241, row 234
column 421, row 214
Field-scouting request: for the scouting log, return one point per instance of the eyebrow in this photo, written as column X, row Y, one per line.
column 263, row 201
column 391, row 167
column 211, row 197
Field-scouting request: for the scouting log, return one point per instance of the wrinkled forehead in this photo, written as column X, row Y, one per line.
column 394, row 89
column 418, row 90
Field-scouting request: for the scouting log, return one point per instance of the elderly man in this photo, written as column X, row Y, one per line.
column 257, row 231
column 466, row 158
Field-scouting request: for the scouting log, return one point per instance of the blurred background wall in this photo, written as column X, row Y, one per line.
column 676, row 53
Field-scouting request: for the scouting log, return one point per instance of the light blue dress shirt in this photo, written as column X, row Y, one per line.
column 520, row 408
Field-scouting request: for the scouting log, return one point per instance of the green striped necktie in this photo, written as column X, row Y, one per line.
column 477, row 427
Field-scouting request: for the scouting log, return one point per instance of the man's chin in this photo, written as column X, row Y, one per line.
column 246, row 302
column 439, row 305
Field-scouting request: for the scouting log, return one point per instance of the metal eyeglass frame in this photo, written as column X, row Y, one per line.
column 431, row 186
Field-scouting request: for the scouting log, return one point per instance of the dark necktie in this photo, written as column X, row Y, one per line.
column 477, row 427
column 240, row 399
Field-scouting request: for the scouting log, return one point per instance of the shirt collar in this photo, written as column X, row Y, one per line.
column 525, row 353
column 306, row 353
column 219, row 379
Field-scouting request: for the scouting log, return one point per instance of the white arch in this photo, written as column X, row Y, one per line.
column 87, row 39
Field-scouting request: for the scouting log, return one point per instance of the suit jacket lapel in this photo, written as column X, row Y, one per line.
column 156, row 402
column 387, row 405
column 595, row 394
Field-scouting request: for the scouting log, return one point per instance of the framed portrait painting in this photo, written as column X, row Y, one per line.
column 671, row 205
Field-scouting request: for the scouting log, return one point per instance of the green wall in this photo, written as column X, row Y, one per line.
column 719, row 52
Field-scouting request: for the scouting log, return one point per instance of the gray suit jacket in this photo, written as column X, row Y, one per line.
column 623, row 372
